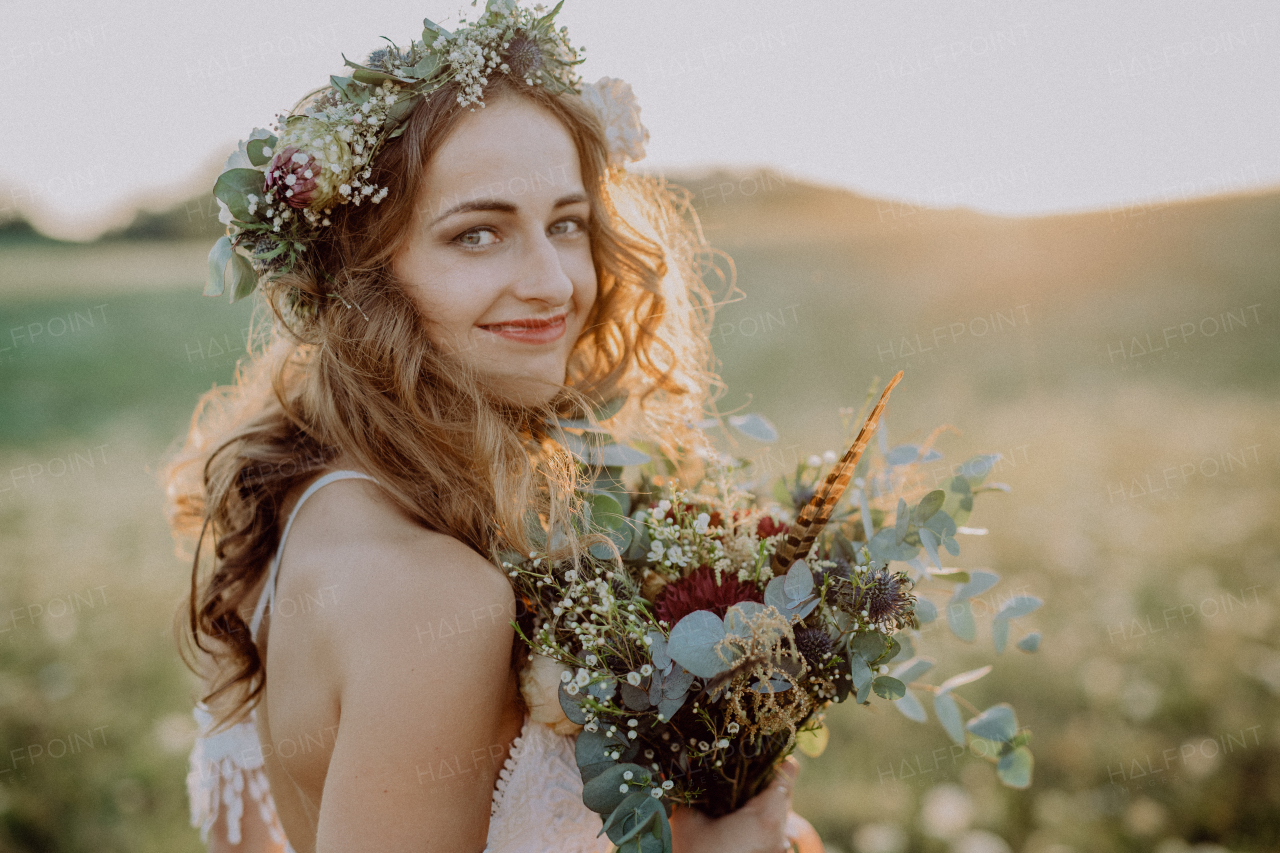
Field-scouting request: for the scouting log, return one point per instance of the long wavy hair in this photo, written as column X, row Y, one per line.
column 341, row 364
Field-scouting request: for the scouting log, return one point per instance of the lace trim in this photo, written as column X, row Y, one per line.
column 222, row 767
column 504, row 775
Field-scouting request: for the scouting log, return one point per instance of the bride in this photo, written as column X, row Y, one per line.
column 346, row 497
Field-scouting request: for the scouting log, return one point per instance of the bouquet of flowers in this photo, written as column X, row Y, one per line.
column 695, row 663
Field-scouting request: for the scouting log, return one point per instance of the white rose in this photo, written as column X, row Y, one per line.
column 539, row 684
column 619, row 112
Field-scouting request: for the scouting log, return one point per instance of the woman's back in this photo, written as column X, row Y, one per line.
column 388, row 654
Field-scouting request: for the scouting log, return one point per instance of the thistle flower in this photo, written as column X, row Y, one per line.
column 814, row 644
column 524, row 57
column 880, row 597
column 698, row 591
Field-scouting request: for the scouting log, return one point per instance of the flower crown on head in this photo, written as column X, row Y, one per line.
column 277, row 191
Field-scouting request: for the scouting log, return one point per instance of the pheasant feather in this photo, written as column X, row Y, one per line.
column 817, row 512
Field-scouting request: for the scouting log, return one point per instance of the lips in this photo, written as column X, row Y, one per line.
column 530, row 330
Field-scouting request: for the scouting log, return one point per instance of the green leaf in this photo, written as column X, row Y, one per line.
column 930, row 542
column 619, row 455
column 944, row 705
column 400, row 110
column 429, row 64
column 910, row 670
column 925, row 611
column 571, row 706
column 1014, row 768
column 431, row 31
column 692, row 644
column 963, row 678
column 975, row 470
column 911, row 708
column 254, row 149
column 997, row 723
column 799, row 582
column 960, row 620
column 233, row 185
column 243, row 278
column 959, row 502
column 902, row 521
column 928, row 505
column 754, row 426
column 639, row 815
column 219, row 257
column 979, row 582
column 606, row 510
column 1018, row 606
column 888, row 687
column 344, row 85
column 1030, row 643
column 860, row 671
column 602, row 793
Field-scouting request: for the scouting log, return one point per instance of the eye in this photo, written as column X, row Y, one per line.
column 475, row 238
column 572, row 225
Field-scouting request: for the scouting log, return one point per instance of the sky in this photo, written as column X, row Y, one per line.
column 1014, row 107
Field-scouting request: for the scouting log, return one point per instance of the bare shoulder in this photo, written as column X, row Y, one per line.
column 352, row 547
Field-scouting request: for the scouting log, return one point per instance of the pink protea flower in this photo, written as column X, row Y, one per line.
column 295, row 177
column 698, row 591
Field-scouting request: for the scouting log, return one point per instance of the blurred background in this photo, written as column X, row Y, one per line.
column 1060, row 220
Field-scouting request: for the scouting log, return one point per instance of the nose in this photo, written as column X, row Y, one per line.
column 542, row 277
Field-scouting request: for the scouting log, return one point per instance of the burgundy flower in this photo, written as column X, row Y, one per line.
column 294, row 175
column 698, row 591
column 768, row 527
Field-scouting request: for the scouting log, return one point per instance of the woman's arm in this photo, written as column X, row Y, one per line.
column 422, row 647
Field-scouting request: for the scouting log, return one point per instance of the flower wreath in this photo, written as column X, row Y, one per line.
column 278, row 189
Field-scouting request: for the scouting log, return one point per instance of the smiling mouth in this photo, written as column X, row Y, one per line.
column 534, row 331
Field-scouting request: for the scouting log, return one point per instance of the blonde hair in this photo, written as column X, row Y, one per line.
column 346, row 367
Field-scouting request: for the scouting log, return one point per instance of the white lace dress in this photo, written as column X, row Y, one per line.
column 536, row 805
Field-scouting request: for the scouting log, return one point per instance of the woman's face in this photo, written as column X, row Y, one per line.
column 498, row 258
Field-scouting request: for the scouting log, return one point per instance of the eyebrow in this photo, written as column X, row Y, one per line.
column 502, row 206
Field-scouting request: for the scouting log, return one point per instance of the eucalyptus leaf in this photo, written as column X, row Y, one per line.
column 571, row 706
column 902, row 521
column 635, row 698
column 911, row 708
column 627, row 808
column 925, row 611
column 997, row 723
column 603, row 689
column 963, row 678
column 257, row 156
column 637, row 818
column 860, row 671
column 658, row 649
column 602, row 793
column 243, row 278
column 232, row 188
column 692, row 644
column 677, row 682
column 980, row 580
column 799, row 582
column 975, row 470
column 1030, row 643
column 870, row 645
column 738, row 618
column 888, row 687
column 754, row 426
column 960, row 620
column 1014, row 768
column 1018, row 606
column 774, row 685
column 903, row 454
column 944, row 705
column 669, row 705
column 219, row 257
column 929, row 540
column 910, row 670
column 929, row 504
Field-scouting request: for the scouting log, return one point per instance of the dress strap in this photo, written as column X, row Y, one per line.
column 268, row 596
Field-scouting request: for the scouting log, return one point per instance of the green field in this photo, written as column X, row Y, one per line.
column 1125, row 364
